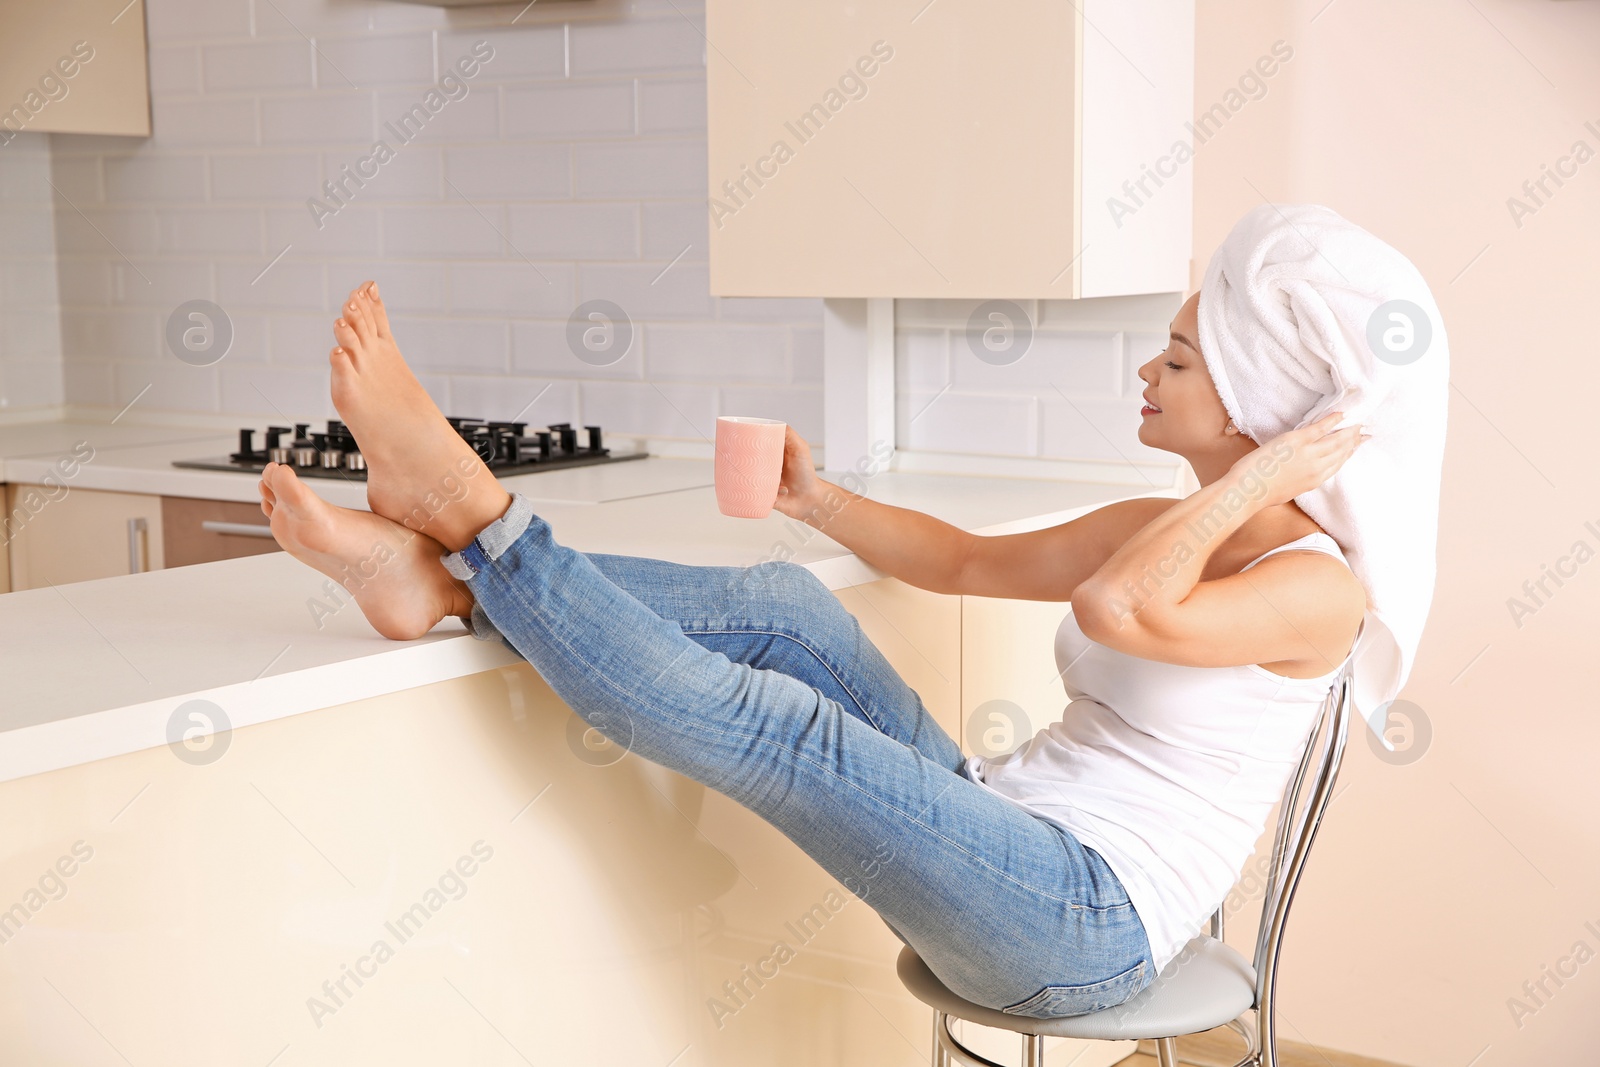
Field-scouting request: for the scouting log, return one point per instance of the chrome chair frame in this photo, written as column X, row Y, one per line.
column 1297, row 829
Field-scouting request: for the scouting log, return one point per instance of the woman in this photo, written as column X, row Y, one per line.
column 777, row 699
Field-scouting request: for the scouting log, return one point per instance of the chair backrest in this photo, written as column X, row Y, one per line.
column 1304, row 801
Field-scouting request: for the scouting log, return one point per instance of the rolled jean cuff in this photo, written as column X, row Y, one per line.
column 488, row 546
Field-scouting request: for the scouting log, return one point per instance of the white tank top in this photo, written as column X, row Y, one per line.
column 1168, row 772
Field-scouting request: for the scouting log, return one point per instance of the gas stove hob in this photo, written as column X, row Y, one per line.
column 505, row 447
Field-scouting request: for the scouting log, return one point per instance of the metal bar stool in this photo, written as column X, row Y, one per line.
column 1208, row 984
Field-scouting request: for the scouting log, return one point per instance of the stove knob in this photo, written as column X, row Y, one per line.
column 594, row 439
column 331, row 459
column 355, row 461
column 305, row 456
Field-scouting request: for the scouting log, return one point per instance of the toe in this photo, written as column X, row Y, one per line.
column 380, row 316
column 355, row 314
column 345, row 334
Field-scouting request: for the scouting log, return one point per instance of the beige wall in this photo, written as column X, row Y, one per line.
column 1440, row 887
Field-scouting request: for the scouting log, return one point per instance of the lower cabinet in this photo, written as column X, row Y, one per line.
column 1010, row 689
column 54, row 536
column 204, row 531
column 58, row 535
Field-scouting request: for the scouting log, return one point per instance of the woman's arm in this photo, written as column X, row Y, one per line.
column 932, row 554
column 1147, row 599
column 916, row 548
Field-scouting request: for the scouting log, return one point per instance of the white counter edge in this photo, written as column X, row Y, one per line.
column 80, row 739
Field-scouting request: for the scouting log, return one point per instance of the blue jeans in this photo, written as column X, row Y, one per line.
column 756, row 682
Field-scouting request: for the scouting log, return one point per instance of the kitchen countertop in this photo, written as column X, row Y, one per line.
column 138, row 459
column 97, row 669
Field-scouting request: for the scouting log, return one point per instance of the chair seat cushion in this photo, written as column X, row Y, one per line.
column 1206, row 985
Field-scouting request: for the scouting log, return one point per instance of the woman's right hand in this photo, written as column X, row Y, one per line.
column 799, row 486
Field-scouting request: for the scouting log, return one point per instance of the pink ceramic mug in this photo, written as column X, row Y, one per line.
column 749, row 465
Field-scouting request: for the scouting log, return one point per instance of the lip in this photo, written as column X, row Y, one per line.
column 1148, row 410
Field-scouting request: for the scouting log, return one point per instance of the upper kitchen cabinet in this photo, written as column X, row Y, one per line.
column 73, row 66
column 950, row 148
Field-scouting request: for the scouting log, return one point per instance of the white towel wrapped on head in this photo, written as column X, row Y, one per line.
column 1290, row 308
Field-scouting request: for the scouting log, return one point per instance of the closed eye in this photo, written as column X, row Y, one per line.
column 1173, row 365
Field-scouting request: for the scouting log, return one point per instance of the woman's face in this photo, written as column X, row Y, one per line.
column 1191, row 420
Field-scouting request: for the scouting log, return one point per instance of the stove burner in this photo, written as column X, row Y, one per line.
column 504, row 447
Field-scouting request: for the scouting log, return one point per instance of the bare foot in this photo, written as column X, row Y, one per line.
column 395, row 574
column 420, row 473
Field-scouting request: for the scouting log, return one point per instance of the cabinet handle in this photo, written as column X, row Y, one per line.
column 138, row 535
column 238, row 529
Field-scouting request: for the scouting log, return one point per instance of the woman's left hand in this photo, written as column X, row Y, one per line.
column 1297, row 461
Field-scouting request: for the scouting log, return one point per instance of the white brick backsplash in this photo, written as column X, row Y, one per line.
column 162, row 285
column 290, row 285
column 169, row 178
column 108, row 232
column 544, row 348
column 576, row 231
column 291, row 18
column 644, row 292
column 921, row 361
column 185, row 122
column 454, row 345
column 672, row 106
column 536, row 401
column 1074, row 363
column 201, row 230
column 249, row 339
column 800, row 408
column 77, row 178
column 715, row 353
column 27, row 383
column 258, row 65
column 407, row 288
column 328, row 117
column 519, row 51
column 668, row 410
column 545, row 112
column 453, row 231
column 197, row 20
column 86, row 383
column 300, row 340
column 768, row 309
column 102, row 336
column 174, row 69
column 360, row 62
column 474, row 117
column 667, row 228
column 508, row 172
column 574, row 168
column 1104, row 430
column 277, row 176
column 642, row 168
column 412, row 173
column 670, row 43
column 956, row 422
column 805, row 355
column 513, row 288
column 26, row 282
column 83, row 281
column 353, row 231
column 174, row 385
column 275, row 394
